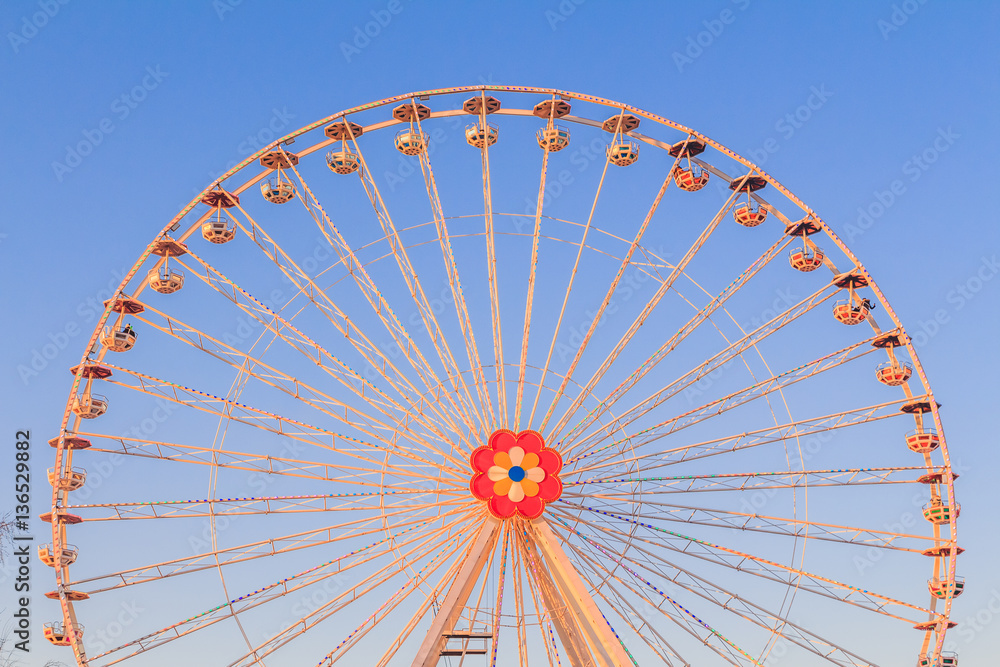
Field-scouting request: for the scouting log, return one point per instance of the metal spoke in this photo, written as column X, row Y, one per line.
column 457, row 294
column 450, row 547
column 781, row 433
column 186, row 509
column 569, row 289
column 686, row 614
column 749, row 393
column 703, row 315
column 422, row 407
column 766, row 568
column 732, row 351
column 625, row 263
column 371, row 353
column 771, row 622
column 254, row 367
column 459, row 395
column 491, row 271
column 752, row 522
column 669, row 608
column 419, row 544
column 746, row 481
column 227, row 409
column 260, row 549
column 675, row 273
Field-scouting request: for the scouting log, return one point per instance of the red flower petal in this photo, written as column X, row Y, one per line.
column 482, row 459
column 530, row 441
column 550, row 489
column 531, row 508
column 502, row 507
column 502, row 440
column 481, row 486
column 550, row 461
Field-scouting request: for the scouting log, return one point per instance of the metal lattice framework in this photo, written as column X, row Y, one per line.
column 716, row 469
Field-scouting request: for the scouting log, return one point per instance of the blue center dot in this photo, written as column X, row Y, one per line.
column 516, row 473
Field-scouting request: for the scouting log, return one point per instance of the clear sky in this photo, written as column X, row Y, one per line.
column 881, row 116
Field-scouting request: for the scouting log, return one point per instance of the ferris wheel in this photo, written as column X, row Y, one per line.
column 500, row 376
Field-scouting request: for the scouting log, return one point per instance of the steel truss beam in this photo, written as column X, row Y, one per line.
column 586, row 636
column 604, row 646
column 451, row 609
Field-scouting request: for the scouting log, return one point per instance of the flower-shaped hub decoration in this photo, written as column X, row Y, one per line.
column 516, row 474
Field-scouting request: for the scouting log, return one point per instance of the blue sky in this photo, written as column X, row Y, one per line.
column 881, row 116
